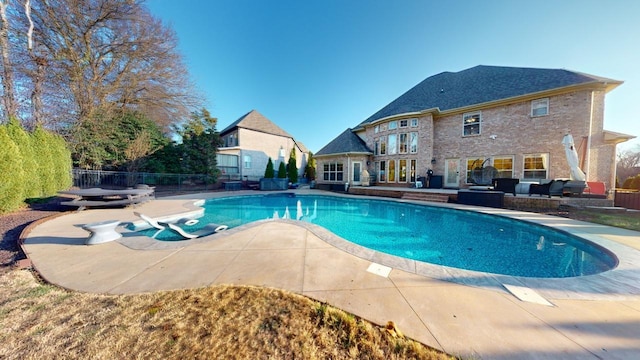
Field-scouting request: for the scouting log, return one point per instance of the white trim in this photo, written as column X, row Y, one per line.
column 471, row 115
column 543, row 101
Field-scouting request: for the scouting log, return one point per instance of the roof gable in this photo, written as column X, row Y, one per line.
column 255, row 121
column 347, row 142
column 481, row 84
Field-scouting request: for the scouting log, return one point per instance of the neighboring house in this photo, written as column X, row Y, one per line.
column 250, row 141
column 512, row 119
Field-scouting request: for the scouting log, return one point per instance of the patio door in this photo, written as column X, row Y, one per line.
column 357, row 168
column 452, row 172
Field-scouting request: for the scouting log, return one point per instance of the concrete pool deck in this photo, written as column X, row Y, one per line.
column 592, row 317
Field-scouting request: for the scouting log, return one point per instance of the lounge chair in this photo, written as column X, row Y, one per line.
column 151, row 221
column 208, row 229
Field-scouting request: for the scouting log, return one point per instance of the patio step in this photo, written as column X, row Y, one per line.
column 425, row 197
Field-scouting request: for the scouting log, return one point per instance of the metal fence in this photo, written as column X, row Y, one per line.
column 161, row 181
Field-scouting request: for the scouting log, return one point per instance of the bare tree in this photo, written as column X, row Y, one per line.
column 628, row 164
column 9, row 100
column 113, row 55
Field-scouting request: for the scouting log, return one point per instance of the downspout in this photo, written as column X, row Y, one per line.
column 348, row 179
column 588, row 167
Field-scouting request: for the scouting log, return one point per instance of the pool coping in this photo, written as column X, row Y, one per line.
column 619, row 283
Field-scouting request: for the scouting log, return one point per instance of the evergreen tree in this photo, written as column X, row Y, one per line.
column 46, row 167
column 292, row 169
column 61, row 158
column 269, row 172
column 310, row 169
column 22, row 140
column 11, row 174
column 282, row 171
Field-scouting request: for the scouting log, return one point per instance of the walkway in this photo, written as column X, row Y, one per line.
column 482, row 321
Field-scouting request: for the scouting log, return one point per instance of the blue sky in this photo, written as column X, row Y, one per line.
column 316, row 68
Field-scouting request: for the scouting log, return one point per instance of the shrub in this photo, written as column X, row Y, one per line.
column 22, row 140
column 310, row 169
column 46, row 167
column 292, row 168
column 61, row 158
column 269, row 172
column 11, row 174
column 282, row 171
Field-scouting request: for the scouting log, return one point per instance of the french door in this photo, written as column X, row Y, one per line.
column 452, row 172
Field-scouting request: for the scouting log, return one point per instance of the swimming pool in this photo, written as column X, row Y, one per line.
column 443, row 236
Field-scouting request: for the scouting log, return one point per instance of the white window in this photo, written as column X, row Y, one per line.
column 404, row 146
column 404, row 123
column 504, row 165
column 383, row 145
column 413, row 142
column 247, row 161
column 382, row 175
column 227, row 164
column 402, row 170
column 412, row 170
column 376, row 147
column 414, row 122
column 536, row 166
column 471, row 123
column 231, row 140
column 376, row 129
column 393, row 125
column 333, row 171
column 540, row 107
column 393, row 144
column 391, row 175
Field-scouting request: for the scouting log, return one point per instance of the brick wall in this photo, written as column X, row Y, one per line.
column 510, row 130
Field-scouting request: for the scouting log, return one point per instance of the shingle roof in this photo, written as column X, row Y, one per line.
column 347, row 142
column 253, row 120
column 481, row 84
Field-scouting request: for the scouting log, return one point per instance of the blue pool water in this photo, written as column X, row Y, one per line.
column 455, row 238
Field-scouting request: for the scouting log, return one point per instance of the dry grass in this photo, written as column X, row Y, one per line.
column 232, row 322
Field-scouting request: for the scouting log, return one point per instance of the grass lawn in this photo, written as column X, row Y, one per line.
column 220, row 322
column 626, row 220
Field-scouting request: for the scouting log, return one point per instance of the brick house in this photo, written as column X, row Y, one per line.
column 250, row 141
column 510, row 119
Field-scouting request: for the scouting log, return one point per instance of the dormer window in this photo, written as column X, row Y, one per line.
column 540, row 107
column 471, row 123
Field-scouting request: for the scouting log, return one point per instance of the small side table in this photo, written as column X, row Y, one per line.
column 101, row 232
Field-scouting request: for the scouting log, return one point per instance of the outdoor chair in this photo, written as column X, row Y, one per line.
column 208, row 229
column 574, row 187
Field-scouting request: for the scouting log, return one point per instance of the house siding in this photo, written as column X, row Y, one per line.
column 262, row 146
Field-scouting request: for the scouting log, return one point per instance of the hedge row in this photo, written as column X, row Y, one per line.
column 32, row 165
